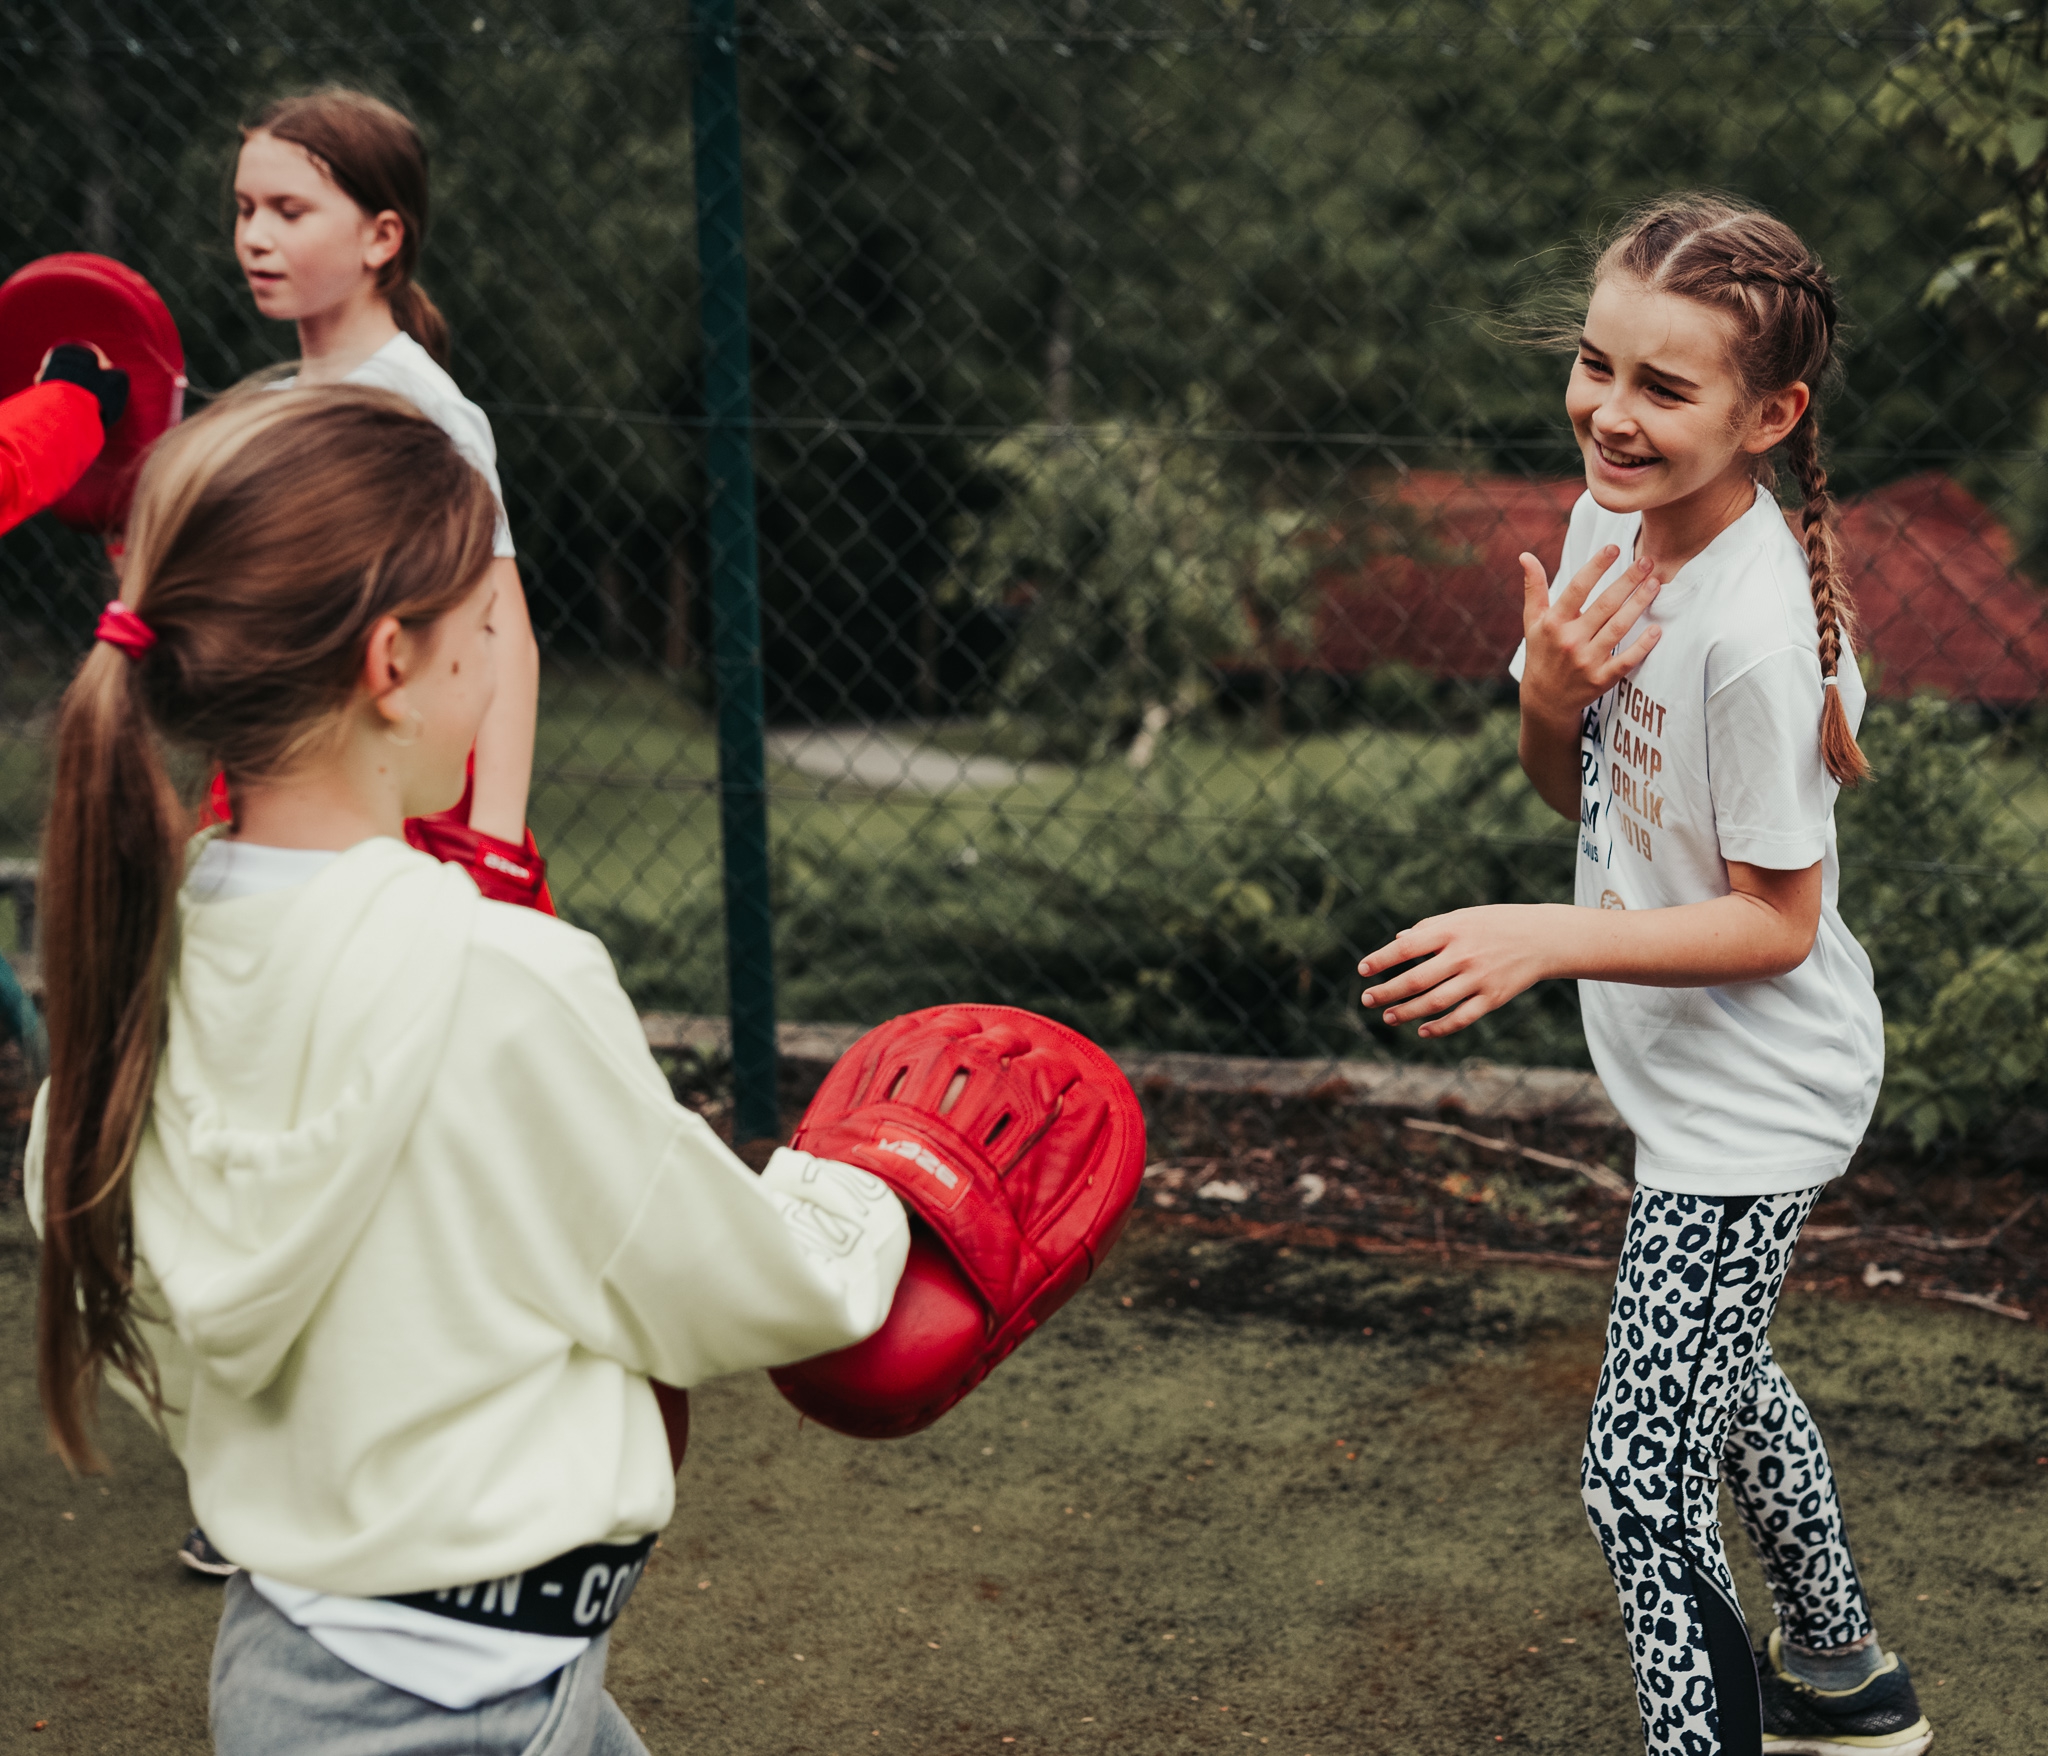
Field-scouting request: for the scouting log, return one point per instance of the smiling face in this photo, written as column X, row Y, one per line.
column 304, row 245
column 1658, row 411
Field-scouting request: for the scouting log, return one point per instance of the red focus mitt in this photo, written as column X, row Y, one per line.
column 1018, row 1145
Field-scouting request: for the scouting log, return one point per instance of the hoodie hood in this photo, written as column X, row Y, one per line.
column 307, row 1029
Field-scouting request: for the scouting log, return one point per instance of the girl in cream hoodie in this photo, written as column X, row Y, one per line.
column 366, row 1188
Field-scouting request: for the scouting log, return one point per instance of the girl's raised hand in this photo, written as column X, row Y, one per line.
column 1474, row 961
column 1572, row 657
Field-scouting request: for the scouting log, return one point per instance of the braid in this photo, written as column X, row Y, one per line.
column 1833, row 609
column 1754, row 269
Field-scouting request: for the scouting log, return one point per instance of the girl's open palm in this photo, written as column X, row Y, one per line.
column 1575, row 650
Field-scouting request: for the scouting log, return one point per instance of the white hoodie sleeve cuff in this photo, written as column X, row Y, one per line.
column 722, row 1271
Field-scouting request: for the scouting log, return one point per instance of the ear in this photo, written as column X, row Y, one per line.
column 385, row 668
column 383, row 236
column 1775, row 417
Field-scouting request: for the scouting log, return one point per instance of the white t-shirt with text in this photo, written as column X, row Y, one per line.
column 1707, row 752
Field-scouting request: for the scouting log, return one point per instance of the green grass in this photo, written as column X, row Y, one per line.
column 1152, row 1513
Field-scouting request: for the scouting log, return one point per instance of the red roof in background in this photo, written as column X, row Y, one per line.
column 1453, row 605
column 1931, row 567
column 1939, row 602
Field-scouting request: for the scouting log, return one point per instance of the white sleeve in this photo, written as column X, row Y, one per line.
column 1771, row 790
column 470, row 428
column 405, row 367
column 724, row 1271
column 648, row 1240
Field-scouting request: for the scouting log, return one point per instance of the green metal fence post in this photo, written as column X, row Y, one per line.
column 735, row 568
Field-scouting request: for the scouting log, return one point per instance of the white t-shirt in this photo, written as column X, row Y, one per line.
column 401, row 364
column 1709, row 751
column 454, row 1664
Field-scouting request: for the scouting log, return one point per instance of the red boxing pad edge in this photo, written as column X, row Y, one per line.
column 1018, row 1146
column 85, row 298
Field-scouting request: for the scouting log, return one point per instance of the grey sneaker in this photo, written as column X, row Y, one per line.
column 202, row 1557
column 1881, row 1713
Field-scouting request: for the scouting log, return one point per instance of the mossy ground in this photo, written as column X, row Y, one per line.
column 1232, row 1522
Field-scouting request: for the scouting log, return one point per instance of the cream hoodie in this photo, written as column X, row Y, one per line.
column 420, row 1217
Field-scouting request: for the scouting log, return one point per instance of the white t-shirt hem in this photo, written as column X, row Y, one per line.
column 1718, row 1177
column 451, row 1663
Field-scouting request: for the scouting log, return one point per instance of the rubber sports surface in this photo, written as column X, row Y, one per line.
column 1219, row 1517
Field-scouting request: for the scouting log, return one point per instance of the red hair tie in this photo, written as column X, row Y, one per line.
column 120, row 626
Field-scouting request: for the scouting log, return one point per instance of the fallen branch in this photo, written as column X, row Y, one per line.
column 1978, row 1302
column 1598, row 1175
column 1906, row 1237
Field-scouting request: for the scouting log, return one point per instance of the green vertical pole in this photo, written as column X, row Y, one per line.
column 735, row 566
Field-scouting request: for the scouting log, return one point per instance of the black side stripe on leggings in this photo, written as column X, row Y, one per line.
column 1738, row 1695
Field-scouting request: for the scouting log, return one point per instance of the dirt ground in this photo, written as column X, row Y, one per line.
column 1244, row 1494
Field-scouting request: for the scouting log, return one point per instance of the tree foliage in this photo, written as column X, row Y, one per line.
column 1142, row 565
column 1983, row 82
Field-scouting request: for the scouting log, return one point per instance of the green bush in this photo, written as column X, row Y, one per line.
column 1979, row 1053
column 1167, row 935
column 1159, row 928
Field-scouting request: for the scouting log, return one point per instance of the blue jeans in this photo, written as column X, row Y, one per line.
column 276, row 1688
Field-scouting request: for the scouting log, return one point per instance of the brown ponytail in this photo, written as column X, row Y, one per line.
column 108, row 886
column 269, row 535
column 1754, row 269
column 377, row 159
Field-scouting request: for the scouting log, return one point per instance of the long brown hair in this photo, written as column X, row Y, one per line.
column 269, row 536
column 1754, row 270
column 377, row 159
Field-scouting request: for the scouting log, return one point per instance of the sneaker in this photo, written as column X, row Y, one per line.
column 202, row 1557
column 1880, row 1713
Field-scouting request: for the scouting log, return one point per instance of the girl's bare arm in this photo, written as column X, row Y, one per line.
column 1477, row 959
column 504, row 743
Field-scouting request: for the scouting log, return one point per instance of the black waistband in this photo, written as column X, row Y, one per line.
column 581, row 1592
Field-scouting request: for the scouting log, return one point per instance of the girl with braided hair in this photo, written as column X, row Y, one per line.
column 1689, row 699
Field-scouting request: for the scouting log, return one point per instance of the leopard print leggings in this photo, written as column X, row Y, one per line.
column 1689, row 1387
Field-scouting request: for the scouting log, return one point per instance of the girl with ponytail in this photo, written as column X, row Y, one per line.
column 330, row 219
column 363, row 1186
column 1689, row 701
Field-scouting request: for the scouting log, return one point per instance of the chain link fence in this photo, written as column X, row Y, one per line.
column 1143, row 447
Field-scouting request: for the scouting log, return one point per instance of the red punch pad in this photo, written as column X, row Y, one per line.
column 881, row 1388
column 85, row 298
column 1017, row 1145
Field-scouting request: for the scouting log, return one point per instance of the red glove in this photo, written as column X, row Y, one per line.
column 503, row 872
column 49, row 435
column 1017, row 1144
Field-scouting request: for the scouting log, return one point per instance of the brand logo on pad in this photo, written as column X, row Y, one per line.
column 951, row 1183
column 498, row 863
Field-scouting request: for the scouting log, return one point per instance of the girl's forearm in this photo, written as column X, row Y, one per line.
column 1734, row 938
column 504, row 743
column 1550, row 758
